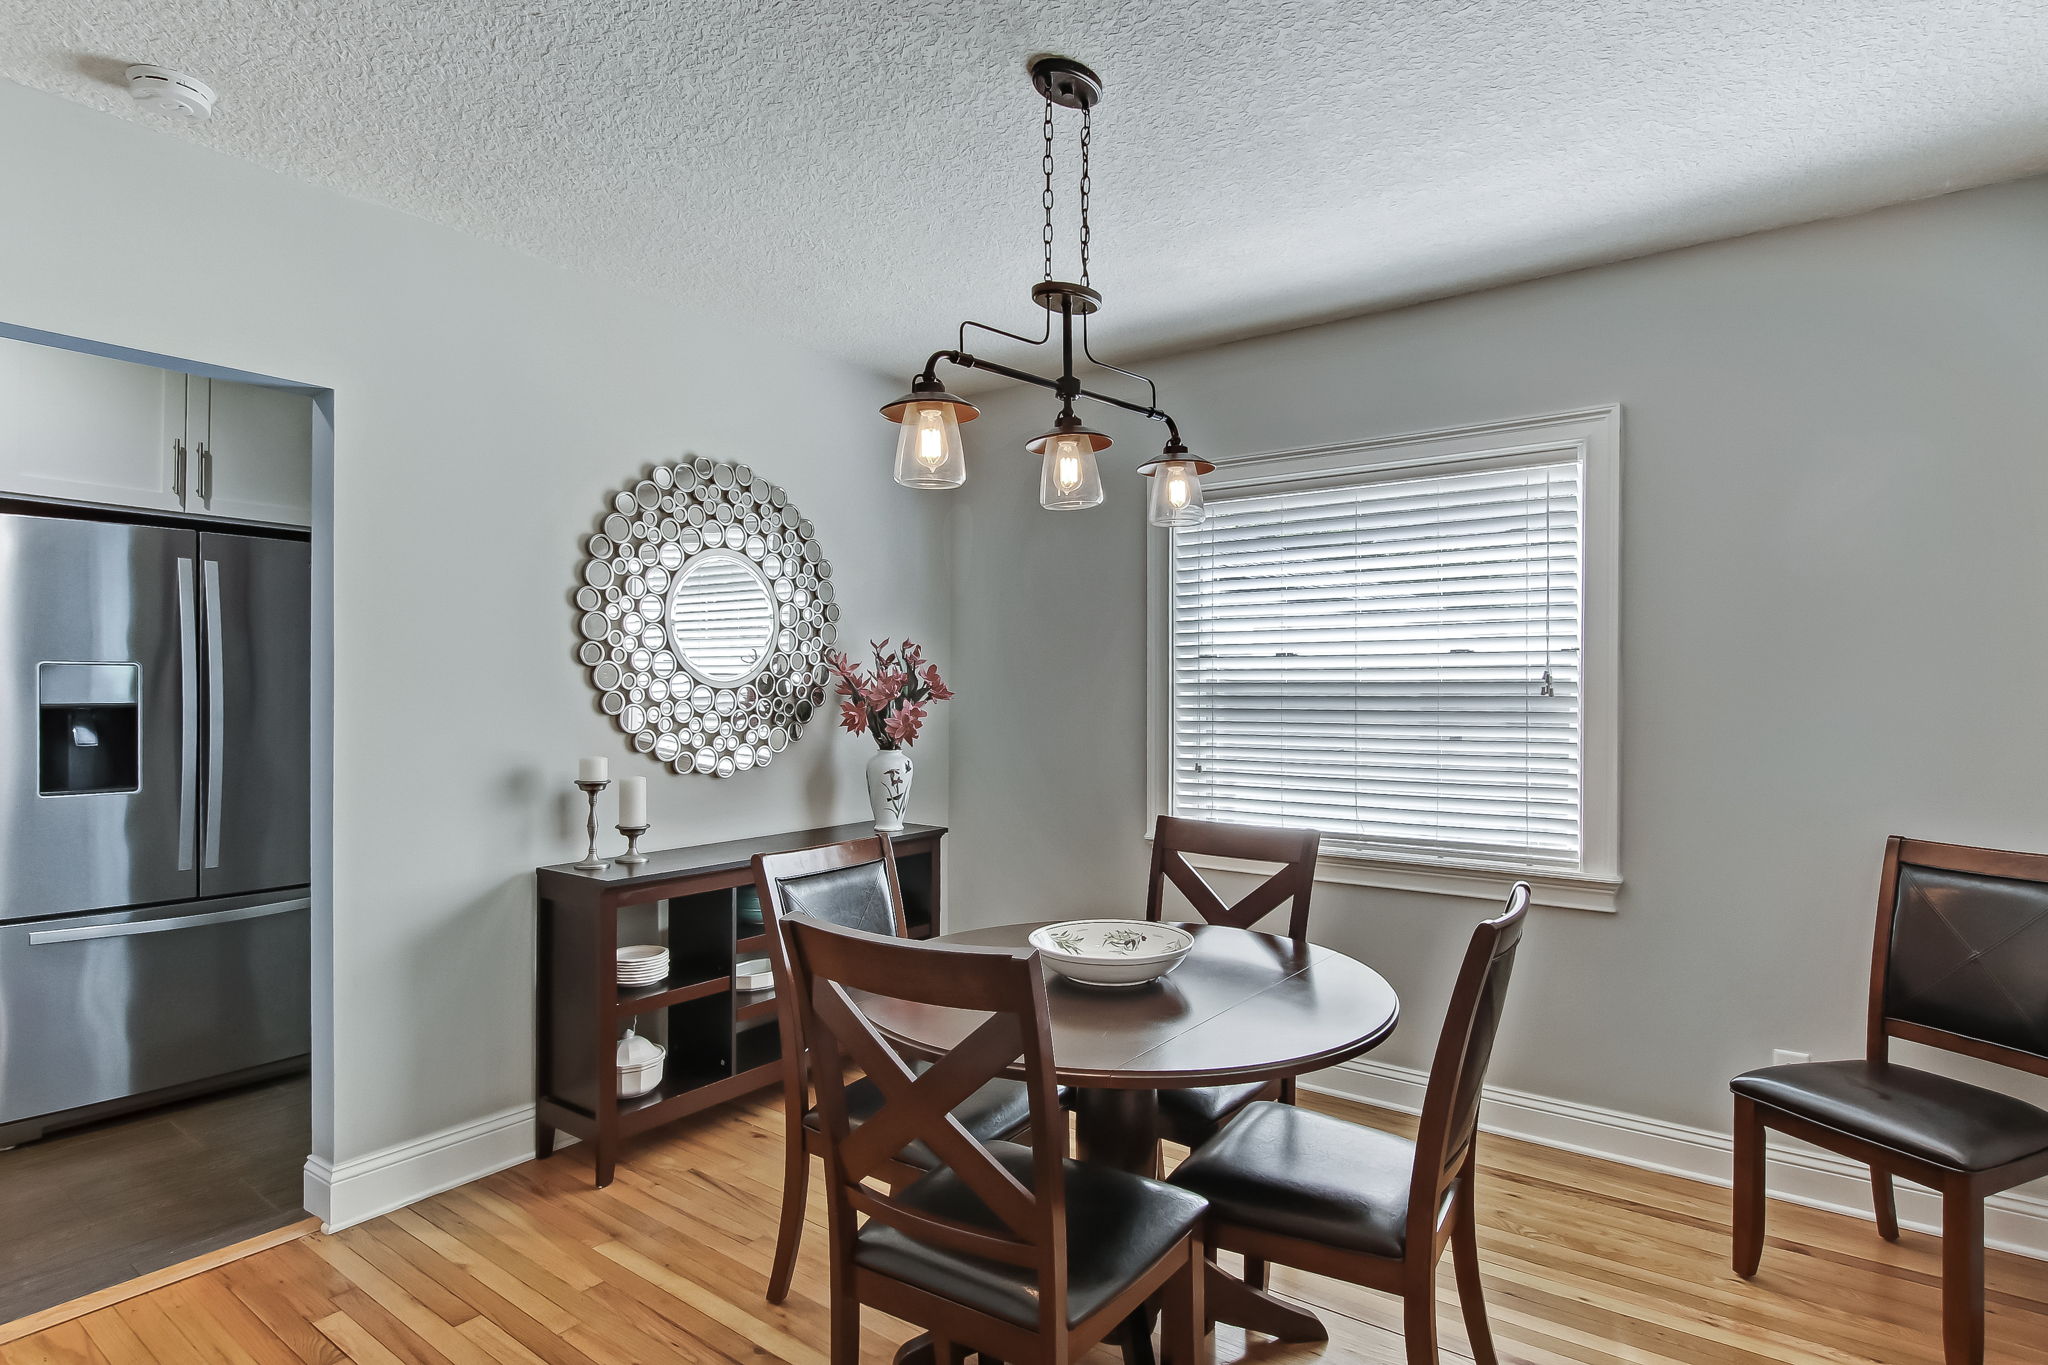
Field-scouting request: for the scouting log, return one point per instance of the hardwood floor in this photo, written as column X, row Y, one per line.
column 1584, row 1262
column 95, row 1206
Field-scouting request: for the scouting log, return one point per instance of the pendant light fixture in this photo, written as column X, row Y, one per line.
column 929, row 451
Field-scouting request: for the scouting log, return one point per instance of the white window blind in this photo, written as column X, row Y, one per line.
column 1391, row 659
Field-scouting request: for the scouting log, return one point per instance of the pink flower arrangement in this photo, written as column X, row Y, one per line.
column 888, row 703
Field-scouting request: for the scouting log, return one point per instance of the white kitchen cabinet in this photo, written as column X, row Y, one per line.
column 254, row 458
column 86, row 429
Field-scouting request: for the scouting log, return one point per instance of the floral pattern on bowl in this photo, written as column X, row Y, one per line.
column 1112, row 952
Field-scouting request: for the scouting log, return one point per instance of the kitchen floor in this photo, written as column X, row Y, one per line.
column 96, row 1206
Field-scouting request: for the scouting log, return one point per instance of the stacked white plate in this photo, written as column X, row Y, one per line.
column 643, row 964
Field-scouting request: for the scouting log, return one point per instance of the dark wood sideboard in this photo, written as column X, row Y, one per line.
column 721, row 1042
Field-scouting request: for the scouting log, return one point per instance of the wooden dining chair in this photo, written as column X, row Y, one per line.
column 1960, row 963
column 1015, row 1252
column 852, row 885
column 1192, row 1117
column 1354, row 1203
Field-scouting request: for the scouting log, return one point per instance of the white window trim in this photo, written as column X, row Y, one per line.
column 1595, row 435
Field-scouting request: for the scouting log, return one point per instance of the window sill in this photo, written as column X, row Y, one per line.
column 1556, row 890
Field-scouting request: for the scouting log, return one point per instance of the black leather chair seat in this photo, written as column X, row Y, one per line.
column 996, row 1110
column 1118, row 1226
column 1948, row 1122
column 1192, row 1117
column 1308, row 1175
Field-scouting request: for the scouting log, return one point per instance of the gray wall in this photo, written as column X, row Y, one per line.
column 1835, row 580
column 484, row 405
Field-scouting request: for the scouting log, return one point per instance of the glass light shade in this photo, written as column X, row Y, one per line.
column 1176, row 494
column 928, row 451
column 1070, row 479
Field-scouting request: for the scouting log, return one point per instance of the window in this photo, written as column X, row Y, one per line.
column 1407, row 645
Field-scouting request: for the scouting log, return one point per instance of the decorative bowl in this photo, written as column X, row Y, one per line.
column 1112, row 952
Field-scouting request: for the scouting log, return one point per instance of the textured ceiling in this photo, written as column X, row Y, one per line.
column 860, row 174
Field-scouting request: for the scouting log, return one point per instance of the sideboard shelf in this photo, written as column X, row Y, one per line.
column 722, row 1042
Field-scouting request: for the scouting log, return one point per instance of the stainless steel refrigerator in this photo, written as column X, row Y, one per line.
column 154, row 814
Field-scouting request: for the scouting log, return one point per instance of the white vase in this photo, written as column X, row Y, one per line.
column 889, row 788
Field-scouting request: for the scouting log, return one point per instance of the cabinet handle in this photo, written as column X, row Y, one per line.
column 188, row 727
column 205, row 474
column 216, row 712
column 178, row 471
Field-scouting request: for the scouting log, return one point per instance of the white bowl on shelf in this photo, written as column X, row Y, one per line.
column 1112, row 952
column 642, row 964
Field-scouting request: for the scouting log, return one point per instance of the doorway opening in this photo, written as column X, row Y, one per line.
column 165, row 761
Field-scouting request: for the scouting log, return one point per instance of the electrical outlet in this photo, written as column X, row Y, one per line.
column 1780, row 1057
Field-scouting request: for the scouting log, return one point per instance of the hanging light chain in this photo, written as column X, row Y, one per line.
column 1087, row 136
column 1046, row 198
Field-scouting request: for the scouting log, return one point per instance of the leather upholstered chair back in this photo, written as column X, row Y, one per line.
column 1961, row 959
column 851, row 885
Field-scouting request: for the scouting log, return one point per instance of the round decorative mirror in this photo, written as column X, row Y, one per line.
column 721, row 615
column 703, row 618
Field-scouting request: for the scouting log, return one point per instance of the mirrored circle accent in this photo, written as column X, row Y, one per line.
column 721, row 616
column 702, row 614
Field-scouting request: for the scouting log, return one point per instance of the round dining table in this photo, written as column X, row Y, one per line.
column 1242, row 1007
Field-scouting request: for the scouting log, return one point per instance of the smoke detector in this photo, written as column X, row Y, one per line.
column 171, row 92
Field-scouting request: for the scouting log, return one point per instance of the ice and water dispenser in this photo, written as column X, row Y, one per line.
column 89, row 718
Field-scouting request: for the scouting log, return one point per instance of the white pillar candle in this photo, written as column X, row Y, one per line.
column 632, row 801
column 592, row 769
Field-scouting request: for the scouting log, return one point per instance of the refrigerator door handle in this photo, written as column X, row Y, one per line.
column 164, row 926
column 188, row 739
column 216, row 707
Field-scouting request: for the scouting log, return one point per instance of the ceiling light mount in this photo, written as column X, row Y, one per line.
column 1065, row 82
column 929, row 453
column 1060, row 296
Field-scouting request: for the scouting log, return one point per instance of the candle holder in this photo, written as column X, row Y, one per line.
column 591, row 862
column 632, row 857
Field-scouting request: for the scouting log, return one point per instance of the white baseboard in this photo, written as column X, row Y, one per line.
column 1798, row 1172
column 366, row 1187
